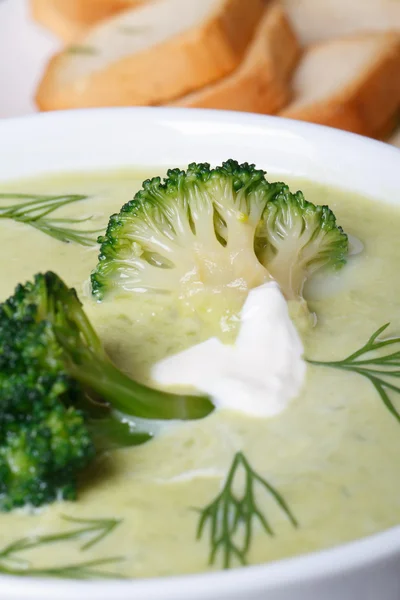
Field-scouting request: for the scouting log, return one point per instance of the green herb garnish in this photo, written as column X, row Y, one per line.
column 37, row 211
column 232, row 516
column 377, row 369
column 92, row 531
column 82, row 50
column 133, row 30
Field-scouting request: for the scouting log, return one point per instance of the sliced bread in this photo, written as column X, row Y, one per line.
column 151, row 55
column 395, row 139
column 388, row 129
column 317, row 20
column 261, row 82
column 351, row 83
column 70, row 18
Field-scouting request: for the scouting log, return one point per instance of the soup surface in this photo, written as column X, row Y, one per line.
column 332, row 454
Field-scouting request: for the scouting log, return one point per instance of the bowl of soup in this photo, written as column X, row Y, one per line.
column 295, row 499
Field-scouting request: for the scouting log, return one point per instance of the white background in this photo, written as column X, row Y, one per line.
column 24, row 51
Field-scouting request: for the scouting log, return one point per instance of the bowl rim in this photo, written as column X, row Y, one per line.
column 315, row 566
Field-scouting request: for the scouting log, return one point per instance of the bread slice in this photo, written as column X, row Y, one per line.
column 317, row 20
column 351, row 83
column 71, row 18
column 261, row 82
column 395, row 139
column 151, row 54
column 388, row 128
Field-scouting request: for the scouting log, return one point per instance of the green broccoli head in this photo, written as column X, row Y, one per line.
column 40, row 460
column 25, row 459
column 61, row 398
column 49, row 339
column 295, row 238
column 30, row 366
column 193, row 231
column 70, row 441
column 44, row 442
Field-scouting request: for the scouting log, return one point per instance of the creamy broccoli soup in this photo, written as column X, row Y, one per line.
column 328, row 462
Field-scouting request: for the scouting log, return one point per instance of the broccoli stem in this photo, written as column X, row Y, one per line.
column 135, row 399
column 88, row 363
column 110, row 433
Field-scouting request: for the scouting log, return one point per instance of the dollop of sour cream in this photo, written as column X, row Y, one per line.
column 259, row 374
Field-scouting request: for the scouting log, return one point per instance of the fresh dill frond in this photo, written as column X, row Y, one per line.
column 133, row 30
column 100, row 528
column 80, row 570
column 87, row 531
column 37, row 211
column 232, row 516
column 378, row 368
column 88, row 50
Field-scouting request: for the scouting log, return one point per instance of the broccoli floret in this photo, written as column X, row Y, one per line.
column 44, row 441
column 56, row 386
column 213, row 229
column 295, row 238
column 40, row 460
column 193, row 231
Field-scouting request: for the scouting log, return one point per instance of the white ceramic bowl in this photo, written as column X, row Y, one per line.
column 364, row 570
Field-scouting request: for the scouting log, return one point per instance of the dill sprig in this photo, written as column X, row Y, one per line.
column 231, row 516
column 377, row 369
column 37, row 211
column 88, row 50
column 91, row 531
column 80, row 570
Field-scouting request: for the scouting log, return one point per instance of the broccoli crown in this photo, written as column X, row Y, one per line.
column 295, row 238
column 61, row 398
column 31, row 367
column 44, row 440
column 194, row 230
column 40, row 460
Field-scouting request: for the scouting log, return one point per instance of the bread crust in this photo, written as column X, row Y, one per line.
column 366, row 105
column 319, row 20
column 261, row 82
column 69, row 19
column 168, row 70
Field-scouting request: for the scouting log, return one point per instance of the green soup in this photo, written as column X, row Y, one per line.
column 332, row 453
